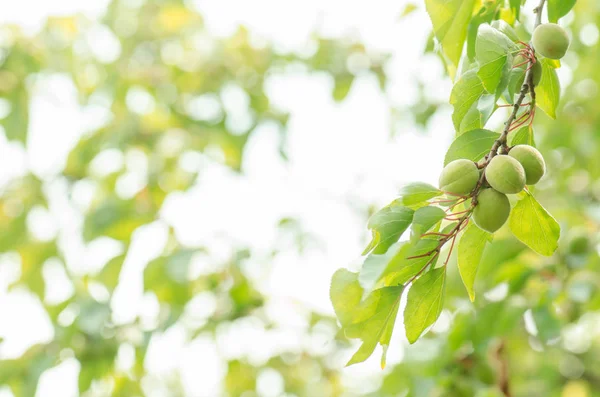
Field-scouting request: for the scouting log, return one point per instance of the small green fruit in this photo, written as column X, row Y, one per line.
column 459, row 177
column 492, row 210
column 551, row 41
column 505, row 174
column 531, row 160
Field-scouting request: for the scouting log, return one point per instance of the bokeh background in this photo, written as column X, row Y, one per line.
column 179, row 179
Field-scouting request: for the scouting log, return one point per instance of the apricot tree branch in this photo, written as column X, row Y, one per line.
column 528, row 87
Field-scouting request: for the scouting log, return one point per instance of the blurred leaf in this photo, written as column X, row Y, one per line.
column 559, row 8
column 547, row 325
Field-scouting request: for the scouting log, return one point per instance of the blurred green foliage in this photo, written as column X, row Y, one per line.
column 168, row 58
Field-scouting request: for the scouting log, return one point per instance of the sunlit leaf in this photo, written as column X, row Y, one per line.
column 387, row 225
column 472, row 145
column 371, row 320
column 466, row 91
column 534, row 226
column 424, row 303
column 548, row 91
column 450, row 19
column 470, row 251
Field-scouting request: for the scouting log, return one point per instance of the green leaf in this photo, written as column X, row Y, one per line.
column 492, row 51
column 484, row 15
column 374, row 266
column 424, row 219
column 371, row 320
column 450, row 19
column 522, row 136
column 409, row 261
column 505, row 28
column 548, row 327
column 548, row 91
column 559, row 8
column 387, row 225
column 472, row 145
column 470, row 251
column 417, row 193
column 424, row 303
column 345, row 294
column 515, row 6
column 534, row 226
column 478, row 115
column 467, row 91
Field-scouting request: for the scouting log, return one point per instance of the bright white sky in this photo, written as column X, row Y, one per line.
column 341, row 158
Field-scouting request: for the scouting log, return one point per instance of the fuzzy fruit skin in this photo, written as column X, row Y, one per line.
column 492, row 210
column 459, row 177
column 532, row 161
column 551, row 41
column 505, row 174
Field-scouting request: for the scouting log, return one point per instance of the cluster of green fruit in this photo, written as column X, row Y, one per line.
column 550, row 41
column 504, row 174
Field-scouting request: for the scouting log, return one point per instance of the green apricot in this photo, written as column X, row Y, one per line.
column 491, row 211
column 505, row 174
column 459, row 177
column 531, row 160
column 551, row 41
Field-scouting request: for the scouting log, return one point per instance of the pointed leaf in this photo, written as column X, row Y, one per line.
column 534, row 226
column 371, row 320
column 472, row 145
column 424, row 303
column 345, row 294
column 374, row 266
column 559, row 8
column 424, row 219
column 417, row 193
column 470, row 251
column 387, row 225
column 522, row 136
column 450, row 19
column 492, row 51
column 467, row 91
column 409, row 261
column 548, row 91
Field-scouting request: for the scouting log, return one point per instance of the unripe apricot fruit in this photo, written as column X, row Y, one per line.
column 492, row 210
column 505, row 174
column 551, row 41
column 459, row 177
column 531, row 160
